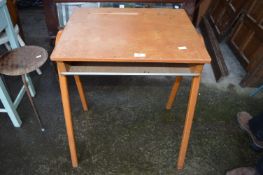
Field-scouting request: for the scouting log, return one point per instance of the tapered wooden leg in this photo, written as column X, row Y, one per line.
column 189, row 119
column 67, row 113
column 81, row 92
column 173, row 93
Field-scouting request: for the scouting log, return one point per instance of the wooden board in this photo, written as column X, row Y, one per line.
column 255, row 77
column 130, row 35
column 223, row 15
column 201, row 10
column 218, row 63
column 247, row 44
column 51, row 17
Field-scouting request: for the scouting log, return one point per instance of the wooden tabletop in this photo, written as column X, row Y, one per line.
column 130, row 35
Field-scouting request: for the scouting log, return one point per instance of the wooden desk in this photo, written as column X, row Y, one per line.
column 130, row 42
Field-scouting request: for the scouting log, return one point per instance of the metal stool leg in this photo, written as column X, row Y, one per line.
column 31, row 101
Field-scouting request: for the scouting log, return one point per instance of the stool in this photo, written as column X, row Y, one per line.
column 4, row 40
column 21, row 61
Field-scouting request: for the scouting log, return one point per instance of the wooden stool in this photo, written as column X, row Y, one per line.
column 21, row 61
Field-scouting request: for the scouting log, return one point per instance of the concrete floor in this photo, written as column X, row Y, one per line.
column 126, row 130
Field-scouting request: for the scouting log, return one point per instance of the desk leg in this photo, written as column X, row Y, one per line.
column 189, row 118
column 81, row 92
column 67, row 113
column 173, row 93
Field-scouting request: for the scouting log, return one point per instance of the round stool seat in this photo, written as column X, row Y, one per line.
column 22, row 60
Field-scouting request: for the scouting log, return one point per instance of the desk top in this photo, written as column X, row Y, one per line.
column 130, row 35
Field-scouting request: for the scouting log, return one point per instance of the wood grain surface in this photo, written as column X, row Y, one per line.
column 130, row 35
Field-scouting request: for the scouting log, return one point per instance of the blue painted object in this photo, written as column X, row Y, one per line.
column 254, row 93
column 9, row 106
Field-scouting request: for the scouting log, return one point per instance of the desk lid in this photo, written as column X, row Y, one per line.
column 130, row 35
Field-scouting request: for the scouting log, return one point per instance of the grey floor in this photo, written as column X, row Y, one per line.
column 126, row 130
